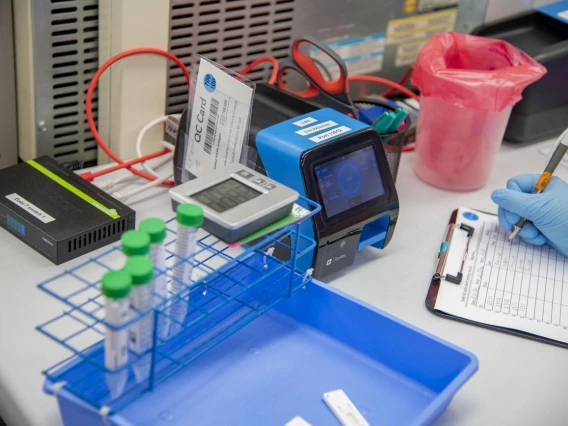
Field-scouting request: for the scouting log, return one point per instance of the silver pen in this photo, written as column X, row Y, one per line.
column 555, row 157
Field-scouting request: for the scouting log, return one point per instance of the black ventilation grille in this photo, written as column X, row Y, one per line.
column 72, row 48
column 232, row 33
column 98, row 237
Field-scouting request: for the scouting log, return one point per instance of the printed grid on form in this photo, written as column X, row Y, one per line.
column 519, row 279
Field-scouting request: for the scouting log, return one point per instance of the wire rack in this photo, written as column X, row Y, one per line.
column 230, row 288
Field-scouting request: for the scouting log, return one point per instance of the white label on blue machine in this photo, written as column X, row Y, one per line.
column 218, row 120
column 330, row 134
column 304, row 121
column 316, row 128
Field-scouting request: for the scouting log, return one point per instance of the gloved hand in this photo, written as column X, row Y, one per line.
column 546, row 213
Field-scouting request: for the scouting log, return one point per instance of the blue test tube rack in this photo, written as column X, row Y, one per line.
column 235, row 287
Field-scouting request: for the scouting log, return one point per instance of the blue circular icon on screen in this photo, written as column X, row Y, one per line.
column 210, row 82
column 470, row 216
column 349, row 179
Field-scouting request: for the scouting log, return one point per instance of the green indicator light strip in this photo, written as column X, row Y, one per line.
column 111, row 212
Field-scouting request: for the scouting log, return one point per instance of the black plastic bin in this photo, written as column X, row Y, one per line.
column 543, row 112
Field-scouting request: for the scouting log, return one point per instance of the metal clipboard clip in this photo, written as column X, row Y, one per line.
column 443, row 255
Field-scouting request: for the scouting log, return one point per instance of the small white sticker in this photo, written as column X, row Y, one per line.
column 325, row 136
column 219, row 120
column 32, row 209
column 304, row 121
column 172, row 126
column 316, row 128
column 563, row 15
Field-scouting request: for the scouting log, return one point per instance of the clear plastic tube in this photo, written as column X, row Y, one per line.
column 140, row 332
column 185, row 248
column 158, row 257
column 116, row 345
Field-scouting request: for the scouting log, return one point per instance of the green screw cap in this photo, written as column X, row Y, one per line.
column 155, row 228
column 135, row 243
column 189, row 215
column 116, row 284
column 140, row 269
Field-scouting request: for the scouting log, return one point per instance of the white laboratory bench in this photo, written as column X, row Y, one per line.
column 519, row 382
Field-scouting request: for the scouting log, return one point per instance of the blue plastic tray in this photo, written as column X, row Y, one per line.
column 278, row 367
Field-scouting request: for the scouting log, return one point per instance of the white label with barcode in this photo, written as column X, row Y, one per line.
column 219, row 119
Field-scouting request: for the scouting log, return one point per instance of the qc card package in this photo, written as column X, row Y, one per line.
column 221, row 104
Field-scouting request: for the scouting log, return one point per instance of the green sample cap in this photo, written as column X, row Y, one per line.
column 135, row 243
column 116, row 284
column 189, row 215
column 384, row 122
column 155, row 228
column 400, row 116
column 140, row 269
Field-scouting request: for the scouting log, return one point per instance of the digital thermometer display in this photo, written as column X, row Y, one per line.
column 226, row 195
column 236, row 201
column 350, row 180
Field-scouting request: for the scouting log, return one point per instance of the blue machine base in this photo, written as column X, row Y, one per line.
column 278, row 367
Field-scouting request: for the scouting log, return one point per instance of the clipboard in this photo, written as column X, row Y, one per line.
column 441, row 277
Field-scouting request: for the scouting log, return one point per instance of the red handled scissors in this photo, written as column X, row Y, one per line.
column 333, row 93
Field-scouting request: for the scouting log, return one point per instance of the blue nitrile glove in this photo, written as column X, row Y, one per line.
column 546, row 213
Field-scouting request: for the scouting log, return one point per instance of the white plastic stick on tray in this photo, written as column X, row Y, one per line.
column 345, row 411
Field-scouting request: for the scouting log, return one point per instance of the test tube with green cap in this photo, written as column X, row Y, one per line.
column 140, row 333
column 135, row 243
column 189, row 218
column 116, row 287
column 156, row 230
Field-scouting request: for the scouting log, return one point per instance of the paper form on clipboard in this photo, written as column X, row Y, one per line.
column 512, row 286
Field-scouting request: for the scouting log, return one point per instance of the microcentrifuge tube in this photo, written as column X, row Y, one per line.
column 156, row 229
column 189, row 218
column 141, row 331
column 116, row 287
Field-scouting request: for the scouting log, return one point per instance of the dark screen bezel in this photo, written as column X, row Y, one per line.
column 331, row 150
column 324, row 207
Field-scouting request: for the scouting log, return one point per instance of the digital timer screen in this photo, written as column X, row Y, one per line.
column 350, row 180
column 226, row 195
column 15, row 225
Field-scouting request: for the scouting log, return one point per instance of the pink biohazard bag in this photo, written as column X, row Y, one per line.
column 468, row 85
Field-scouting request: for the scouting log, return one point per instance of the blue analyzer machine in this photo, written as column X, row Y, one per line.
column 330, row 158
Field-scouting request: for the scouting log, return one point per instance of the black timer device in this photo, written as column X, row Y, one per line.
column 330, row 158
